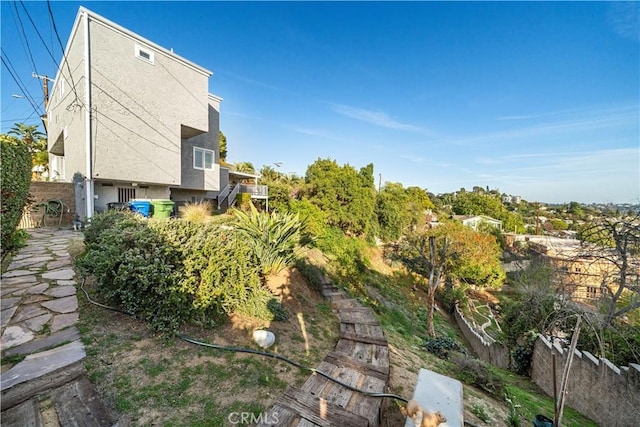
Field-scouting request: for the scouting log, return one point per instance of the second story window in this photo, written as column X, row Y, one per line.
column 144, row 54
column 61, row 90
column 202, row 158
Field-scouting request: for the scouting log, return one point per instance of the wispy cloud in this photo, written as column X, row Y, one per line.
column 320, row 133
column 624, row 18
column 588, row 120
column 414, row 159
column 377, row 118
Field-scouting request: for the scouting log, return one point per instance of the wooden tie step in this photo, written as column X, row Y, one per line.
column 360, row 361
column 73, row 404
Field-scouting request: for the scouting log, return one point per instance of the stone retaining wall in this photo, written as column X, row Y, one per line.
column 597, row 388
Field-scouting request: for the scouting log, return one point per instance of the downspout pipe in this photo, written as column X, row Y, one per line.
column 87, row 114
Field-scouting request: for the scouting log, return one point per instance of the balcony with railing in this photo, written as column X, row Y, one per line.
column 256, row 191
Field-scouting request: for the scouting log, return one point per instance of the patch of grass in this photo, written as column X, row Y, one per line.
column 480, row 411
column 153, row 369
column 12, row 360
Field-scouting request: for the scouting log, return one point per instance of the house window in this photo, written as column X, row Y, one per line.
column 592, row 292
column 61, row 89
column 144, row 54
column 202, row 158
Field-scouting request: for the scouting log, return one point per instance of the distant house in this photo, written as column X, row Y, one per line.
column 476, row 222
column 130, row 119
column 511, row 199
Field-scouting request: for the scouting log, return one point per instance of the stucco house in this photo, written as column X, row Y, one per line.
column 129, row 119
column 475, row 221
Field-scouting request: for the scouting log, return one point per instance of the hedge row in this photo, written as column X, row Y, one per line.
column 15, row 167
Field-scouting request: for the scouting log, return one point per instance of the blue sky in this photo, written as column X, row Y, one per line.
column 536, row 99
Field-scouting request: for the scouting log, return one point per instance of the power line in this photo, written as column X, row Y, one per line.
column 39, row 35
column 24, row 37
column 64, row 56
column 16, row 78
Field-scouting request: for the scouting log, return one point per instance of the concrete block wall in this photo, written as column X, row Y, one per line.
column 604, row 392
column 491, row 352
column 42, row 191
column 607, row 394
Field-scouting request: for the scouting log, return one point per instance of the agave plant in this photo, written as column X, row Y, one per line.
column 273, row 237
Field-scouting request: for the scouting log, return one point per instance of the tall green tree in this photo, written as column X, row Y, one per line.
column 222, row 147
column 398, row 208
column 35, row 141
column 30, row 136
column 345, row 194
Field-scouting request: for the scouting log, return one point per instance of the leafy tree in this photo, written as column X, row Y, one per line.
column 30, row 136
column 346, row 195
column 244, row 167
column 269, row 174
column 477, row 258
column 390, row 206
column 398, row 208
column 222, row 147
column 454, row 250
column 35, row 141
column 489, row 204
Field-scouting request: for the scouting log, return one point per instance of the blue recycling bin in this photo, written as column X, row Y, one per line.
column 143, row 207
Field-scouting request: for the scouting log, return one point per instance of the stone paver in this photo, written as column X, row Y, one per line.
column 62, row 305
column 43, row 363
column 65, row 274
column 39, row 304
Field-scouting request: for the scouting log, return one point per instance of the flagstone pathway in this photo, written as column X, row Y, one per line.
column 39, row 312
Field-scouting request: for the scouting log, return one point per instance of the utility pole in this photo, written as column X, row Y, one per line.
column 379, row 182
column 45, row 83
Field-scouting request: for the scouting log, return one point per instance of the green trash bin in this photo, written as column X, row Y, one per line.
column 162, row 208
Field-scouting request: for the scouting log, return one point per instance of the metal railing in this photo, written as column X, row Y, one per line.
column 233, row 194
column 255, row 190
column 223, row 194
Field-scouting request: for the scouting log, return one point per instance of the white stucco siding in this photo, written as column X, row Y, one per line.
column 139, row 107
column 66, row 125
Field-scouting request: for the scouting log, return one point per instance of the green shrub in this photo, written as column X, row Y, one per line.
column 522, row 354
column 449, row 296
column 15, row 179
column 170, row 272
column 136, row 268
column 478, row 373
column 443, row 346
column 348, row 253
column 314, row 218
column 278, row 311
column 480, row 411
column 243, row 200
